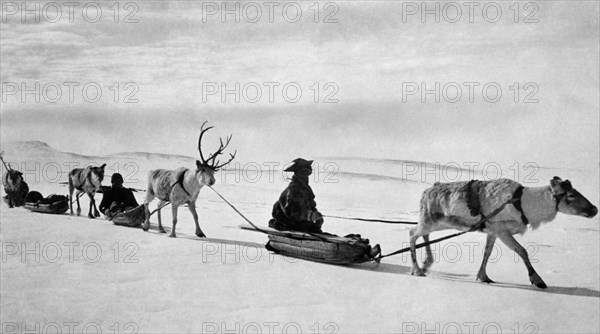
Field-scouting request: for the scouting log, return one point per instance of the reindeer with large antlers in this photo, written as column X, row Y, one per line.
column 183, row 185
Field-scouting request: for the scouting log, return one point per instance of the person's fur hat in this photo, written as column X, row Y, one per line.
column 116, row 177
column 299, row 164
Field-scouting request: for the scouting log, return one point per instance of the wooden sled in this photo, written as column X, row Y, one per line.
column 321, row 247
column 53, row 204
column 132, row 218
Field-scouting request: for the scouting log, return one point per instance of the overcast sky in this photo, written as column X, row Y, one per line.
column 369, row 57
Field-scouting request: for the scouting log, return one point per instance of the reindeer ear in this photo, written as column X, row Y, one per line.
column 555, row 181
column 103, row 165
column 566, row 185
column 198, row 164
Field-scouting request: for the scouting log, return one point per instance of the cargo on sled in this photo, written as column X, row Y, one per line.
column 54, row 204
column 132, row 218
column 322, row 247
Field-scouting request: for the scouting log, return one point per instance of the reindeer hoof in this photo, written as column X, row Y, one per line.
column 427, row 264
column 200, row 235
column 97, row 214
column 145, row 228
column 485, row 280
column 537, row 281
column 161, row 230
column 91, row 217
column 172, row 235
column 417, row 272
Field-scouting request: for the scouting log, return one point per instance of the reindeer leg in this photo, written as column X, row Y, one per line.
column 429, row 259
column 415, row 233
column 71, row 200
column 78, row 206
column 149, row 198
column 489, row 246
column 146, row 225
column 11, row 199
column 92, row 205
column 160, row 227
column 192, row 207
column 96, row 212
column 513, row 244
column 174, row 213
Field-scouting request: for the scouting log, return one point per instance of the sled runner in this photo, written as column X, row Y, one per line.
column 131, row 218
column 54, row 204
column 321, row 247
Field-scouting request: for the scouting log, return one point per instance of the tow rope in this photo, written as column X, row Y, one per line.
column 408, row 222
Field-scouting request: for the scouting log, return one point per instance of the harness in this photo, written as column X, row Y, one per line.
column 517, row 204
column 558, row 197
column 178, row 182
column 87, row 177
column 517, row 198
column 472, row 197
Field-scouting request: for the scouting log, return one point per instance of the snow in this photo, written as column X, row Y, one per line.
column 109, row 277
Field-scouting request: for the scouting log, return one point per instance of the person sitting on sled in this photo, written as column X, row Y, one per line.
column 117, row 199
column 296, row 209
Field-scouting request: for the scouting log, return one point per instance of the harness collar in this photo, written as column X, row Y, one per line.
column 518, row 205
column 558, row 197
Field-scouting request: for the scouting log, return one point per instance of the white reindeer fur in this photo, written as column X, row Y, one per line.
column 444, row 206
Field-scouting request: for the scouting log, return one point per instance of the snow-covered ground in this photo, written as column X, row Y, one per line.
column 76, row 274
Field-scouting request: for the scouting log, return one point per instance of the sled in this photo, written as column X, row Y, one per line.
column 321, row 247
column 131, row 218
column 53, row 204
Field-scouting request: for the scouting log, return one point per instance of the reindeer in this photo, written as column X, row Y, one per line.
column 86, row 180
column 14, row 185
column 183, row 185
column 460, row 205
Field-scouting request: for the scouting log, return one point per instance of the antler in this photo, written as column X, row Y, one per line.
column 211, row 161
column 202, row 131
column 228, row 161
column 8, row 168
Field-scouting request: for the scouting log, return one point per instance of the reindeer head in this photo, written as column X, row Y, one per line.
column 14, row 177
column 96, row 176
column 569, row 200
column 206, row 168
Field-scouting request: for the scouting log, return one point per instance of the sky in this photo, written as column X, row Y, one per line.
column 172, row 60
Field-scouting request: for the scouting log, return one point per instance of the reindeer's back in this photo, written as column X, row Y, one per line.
column 160, row 181
column 459, row 198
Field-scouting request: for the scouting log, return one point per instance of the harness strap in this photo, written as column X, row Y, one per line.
column 558, row 197
column 87, row 177
column 180, row 182
column 518, row 205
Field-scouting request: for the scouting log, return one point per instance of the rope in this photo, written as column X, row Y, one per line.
column 78, row 196
column 238, row 211
column 160, row 207
column 256, row 227
column 375, row 220
column 475, row 227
